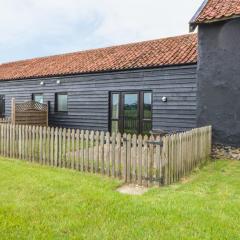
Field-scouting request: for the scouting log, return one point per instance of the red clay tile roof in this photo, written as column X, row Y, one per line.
column 155, row 53
column 216, row 10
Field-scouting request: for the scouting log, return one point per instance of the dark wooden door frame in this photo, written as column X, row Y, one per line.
column 121, row 108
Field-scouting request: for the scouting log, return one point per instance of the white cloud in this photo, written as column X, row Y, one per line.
column 41, row 27
column 145, row 19
column 22, row 20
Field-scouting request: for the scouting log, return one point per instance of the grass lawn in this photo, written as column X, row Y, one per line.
column 45, row 203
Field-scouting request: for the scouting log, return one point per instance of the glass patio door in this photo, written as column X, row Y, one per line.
column 131, row 112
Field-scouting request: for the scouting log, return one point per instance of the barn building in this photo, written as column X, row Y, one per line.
column 164, row 85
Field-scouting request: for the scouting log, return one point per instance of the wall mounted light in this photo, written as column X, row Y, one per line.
column 42, row 83
column 164, row 99
column 58, row 82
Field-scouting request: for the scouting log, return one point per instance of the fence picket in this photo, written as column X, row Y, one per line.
column 128, row 163
column 15, row 140
column 91, row 154
column 113, row 153
column 86, row 155
column 107, row 153
column 10, row 141
column 145, row 160
column 33, row 143
column 97, row 152
column 134, row 158
column 150, row 161
column 102, row 152
column 44, row 148
column 82, row 150
column 165, row 156
column 48, row 154
column 60, row 147
column 124, row 157
column 118, row 156
column 7, row 140
column 158, row 161
column 64, row 148
column 40, row 145
column 55, row 147
column 25, row 142
column 72, row 153
column 68, row 150
column 77, row 150
column 52, row 146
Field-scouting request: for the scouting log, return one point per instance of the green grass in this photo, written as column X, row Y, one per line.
column 43, row 203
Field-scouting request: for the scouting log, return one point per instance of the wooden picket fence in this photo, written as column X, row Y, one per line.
column 135, row 159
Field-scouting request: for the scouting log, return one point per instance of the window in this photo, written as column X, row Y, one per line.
column 131, row 112
column 61, row 102
column 37, row 97
column 147, row 112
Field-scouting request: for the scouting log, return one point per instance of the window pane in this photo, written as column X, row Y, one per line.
column 115, row 126
column 131, row 112
column 38, row 98
column 130, row 105
column 115, row 106
column 147, row 108
column 62, row 102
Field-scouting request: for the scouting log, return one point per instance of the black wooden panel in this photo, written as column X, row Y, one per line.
column 88, row 96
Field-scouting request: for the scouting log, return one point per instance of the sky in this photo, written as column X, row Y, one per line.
column 35, row 28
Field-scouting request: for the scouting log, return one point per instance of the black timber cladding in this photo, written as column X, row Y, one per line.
column 88, row 96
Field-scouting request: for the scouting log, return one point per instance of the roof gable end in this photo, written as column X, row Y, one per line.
column 215, row 10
